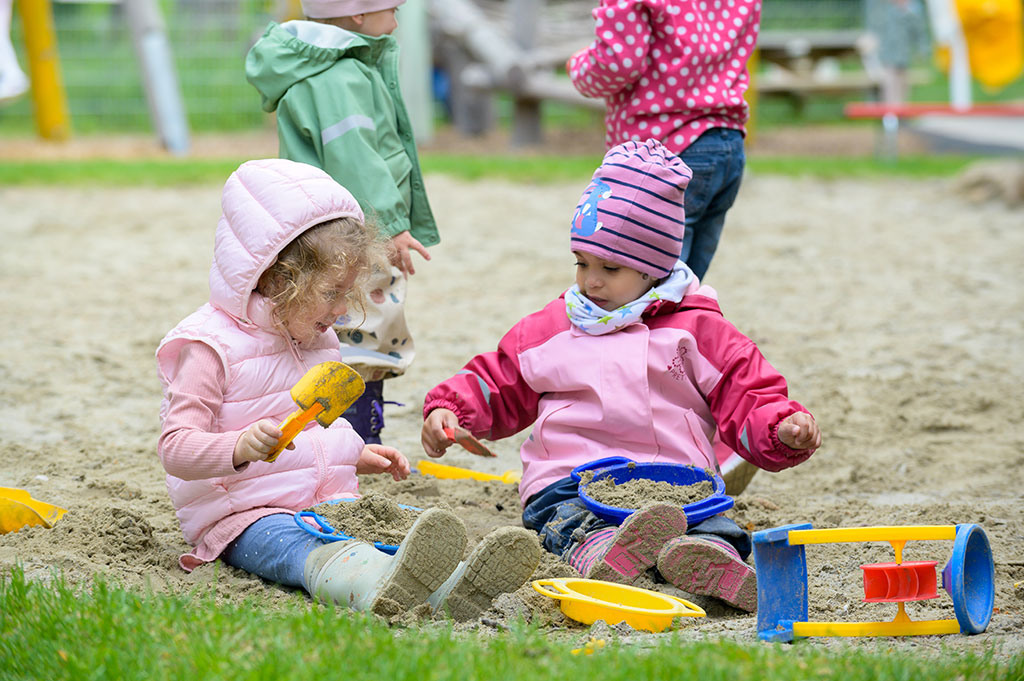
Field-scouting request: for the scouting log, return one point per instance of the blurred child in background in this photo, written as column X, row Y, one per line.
column 676, row 71
column 333, row 82
column 899, row 30
column 634, row 360
column 13, row 81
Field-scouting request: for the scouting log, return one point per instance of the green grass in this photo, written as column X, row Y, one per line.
column 55, row 632
column 919, row 167
column 537, row 169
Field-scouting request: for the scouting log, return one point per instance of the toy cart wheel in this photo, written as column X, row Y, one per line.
column 970, row 578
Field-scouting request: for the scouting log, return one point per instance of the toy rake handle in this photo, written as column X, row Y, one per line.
column 292, row 426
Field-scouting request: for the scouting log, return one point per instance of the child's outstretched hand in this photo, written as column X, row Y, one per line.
column 256, row 443
column 404, row 243
column 383, row 459
column 432, row 436
column 800, row 431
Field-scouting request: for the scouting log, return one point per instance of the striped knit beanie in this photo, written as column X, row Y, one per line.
column 632, row 211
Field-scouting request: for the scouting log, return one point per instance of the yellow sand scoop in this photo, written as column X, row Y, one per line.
column 324, row 393
column 18, row 509
column 440, row 470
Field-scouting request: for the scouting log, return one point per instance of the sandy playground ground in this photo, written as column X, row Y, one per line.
column 893, row 307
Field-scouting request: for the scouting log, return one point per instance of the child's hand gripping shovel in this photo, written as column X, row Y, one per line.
column 324, row 393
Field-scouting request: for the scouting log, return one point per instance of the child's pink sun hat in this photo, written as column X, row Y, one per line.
column 329, row 9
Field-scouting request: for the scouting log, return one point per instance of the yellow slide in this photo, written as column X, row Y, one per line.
column 995, row 44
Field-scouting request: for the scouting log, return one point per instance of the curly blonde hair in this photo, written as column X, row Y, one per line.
column 307, row 267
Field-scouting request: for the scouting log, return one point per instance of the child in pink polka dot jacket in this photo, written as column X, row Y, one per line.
column 676, row 70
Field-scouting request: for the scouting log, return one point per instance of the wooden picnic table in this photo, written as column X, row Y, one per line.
column 796, row 59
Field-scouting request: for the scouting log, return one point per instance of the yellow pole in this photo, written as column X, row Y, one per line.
column 48, row 97
column 752, row 65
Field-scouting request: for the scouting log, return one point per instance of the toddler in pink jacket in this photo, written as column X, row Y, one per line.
column 634, row 360
column 291, row 255
column 677, row 71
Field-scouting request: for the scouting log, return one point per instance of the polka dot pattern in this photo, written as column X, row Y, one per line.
column 669, row 69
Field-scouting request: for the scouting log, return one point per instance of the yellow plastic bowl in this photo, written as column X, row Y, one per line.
column 18, row 509
column 589, row 600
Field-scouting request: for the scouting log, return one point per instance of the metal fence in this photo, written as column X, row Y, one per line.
column 102, row 77
column 209, row 40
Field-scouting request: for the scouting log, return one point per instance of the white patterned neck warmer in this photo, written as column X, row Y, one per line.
column 596, row 321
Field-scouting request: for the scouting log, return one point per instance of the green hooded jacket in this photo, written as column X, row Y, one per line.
column 339, row 108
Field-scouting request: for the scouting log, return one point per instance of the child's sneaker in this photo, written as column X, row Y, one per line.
column 709, row 568
column 366, row 414
column 622, row 554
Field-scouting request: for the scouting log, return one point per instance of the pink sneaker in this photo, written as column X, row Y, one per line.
column 708, row 568
column 623, row 554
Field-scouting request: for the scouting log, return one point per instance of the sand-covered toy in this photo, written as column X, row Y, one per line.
column 374, row 518
column 619, row 471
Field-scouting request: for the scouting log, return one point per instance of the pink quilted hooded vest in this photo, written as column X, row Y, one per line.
column 266, row 204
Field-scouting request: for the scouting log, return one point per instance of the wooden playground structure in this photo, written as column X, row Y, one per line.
column 163, row 93
column 514, row 48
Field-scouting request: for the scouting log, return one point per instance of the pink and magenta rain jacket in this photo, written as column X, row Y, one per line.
column 652, row 391
column 669, row 69
column 266, row 204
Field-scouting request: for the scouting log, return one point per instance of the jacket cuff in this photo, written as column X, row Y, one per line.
column 443, row 404
column 395, row 227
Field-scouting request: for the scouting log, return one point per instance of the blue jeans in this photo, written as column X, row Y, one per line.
column 274, row 548
column 717, row 160
column 556, row 512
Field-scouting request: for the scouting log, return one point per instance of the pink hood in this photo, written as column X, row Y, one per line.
column 267, row 203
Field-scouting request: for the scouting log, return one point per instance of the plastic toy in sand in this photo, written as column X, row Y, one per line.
column 323, row 393
column 968, row 577
column 472, row 445
column 445, row 472
column 18, row 509
column 620, row 470
column 316, row 525
column 589, row 600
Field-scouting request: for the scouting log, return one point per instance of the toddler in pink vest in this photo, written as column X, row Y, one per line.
column 291, row 255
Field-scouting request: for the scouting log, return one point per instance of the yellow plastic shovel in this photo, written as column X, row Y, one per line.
column 18, row 509
column 324, row 393
column 439, row 470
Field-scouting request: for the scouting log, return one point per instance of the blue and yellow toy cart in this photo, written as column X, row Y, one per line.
column 968, row 577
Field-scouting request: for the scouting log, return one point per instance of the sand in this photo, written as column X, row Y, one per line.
column 894, row 307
